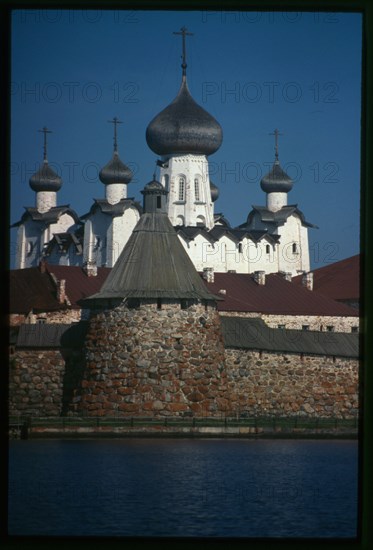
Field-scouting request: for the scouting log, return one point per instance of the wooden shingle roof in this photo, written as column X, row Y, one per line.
column 253, row 333
column 153, row 264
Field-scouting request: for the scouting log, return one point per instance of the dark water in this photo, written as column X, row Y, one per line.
column 142, row 487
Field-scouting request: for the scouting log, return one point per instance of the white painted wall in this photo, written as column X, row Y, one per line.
column 292, row 233
column 45, row 200
column 114, row 192
column 275, row 201
column 105, row 237
column 33, row 235
column 121, row 231
column 191, row 208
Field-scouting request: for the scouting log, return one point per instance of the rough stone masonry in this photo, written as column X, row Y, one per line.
column 148, row 361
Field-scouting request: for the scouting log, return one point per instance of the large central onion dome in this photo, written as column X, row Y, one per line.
column 184, row 127
column 276, row 181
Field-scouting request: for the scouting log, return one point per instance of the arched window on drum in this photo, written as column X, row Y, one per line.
column 197, row 195
column 181, row 195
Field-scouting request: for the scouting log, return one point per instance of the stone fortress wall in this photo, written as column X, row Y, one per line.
column 164, row 362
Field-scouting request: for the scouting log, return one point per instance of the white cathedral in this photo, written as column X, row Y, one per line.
column 274, row 238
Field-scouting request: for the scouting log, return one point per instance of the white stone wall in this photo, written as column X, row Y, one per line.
column 121, row 231
column 275, row 201
column 292, row 233
column 315, row 322
column 105, row 237
column 45, row 200
column 114, row 192
column 32, row 236
column 29, row 245
column 88, row 241
column 296, row 322
column 191, row 209
column 228, row 255
column 20, row 262
column 63, row 316
column 64, row 223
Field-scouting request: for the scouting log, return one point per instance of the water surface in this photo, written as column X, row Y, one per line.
column 212, row 487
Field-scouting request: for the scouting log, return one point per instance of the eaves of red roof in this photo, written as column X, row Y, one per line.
column 78, row 284
column 29, row 289
column 276, row 297
column 339, row 280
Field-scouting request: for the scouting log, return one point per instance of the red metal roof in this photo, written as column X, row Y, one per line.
column 339, row 281
column 33, row 289
column 29, row 289
column 78, row 284
column 277, row 297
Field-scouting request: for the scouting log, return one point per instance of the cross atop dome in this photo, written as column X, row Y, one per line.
column 184, row 32
column 45, row 131
column 45, row 179
column 115, row 171
column 115, row 121
column 277, row 182
column 184, row 127
column 276, row 133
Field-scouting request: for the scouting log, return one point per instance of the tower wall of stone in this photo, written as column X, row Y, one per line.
column 149, row 361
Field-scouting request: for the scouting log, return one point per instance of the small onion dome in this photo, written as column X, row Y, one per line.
column 115, row 171
column 154, row 186
column 154, row 197
column 276, row 180
column 184, row 127
column 45, row 179
column 214, row 191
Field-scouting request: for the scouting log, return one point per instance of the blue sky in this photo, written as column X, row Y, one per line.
column 73, row 70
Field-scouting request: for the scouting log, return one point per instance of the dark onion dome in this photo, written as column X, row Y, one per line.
column 154, row 186
column 214, row 189
column 184, row 127
column 115, row 171
column 45, row 179
column 276, row 181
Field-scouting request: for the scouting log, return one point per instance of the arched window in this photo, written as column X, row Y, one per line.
column 181, row 188
column 201, row 221
column 30, row 248
column 196, row 189
column 166, row 182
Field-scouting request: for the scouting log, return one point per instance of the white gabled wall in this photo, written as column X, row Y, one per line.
column 105, row 237
column 121, row 230
column 294, row 251
column 226, row 254
column 33, row 235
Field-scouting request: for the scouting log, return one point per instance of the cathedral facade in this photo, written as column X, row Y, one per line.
column 273, row 238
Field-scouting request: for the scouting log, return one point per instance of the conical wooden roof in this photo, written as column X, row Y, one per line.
column 153, row 264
